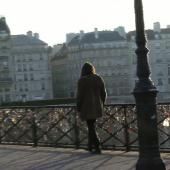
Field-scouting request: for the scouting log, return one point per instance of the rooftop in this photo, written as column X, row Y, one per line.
column 150, row 33
column 21, row 40
column 103, row 36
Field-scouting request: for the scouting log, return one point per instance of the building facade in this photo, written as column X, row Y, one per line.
column 158, row 43
column 60, row 74
column 27, row 68
column 107, row 51
column 32, row 68
column 113, row 55
column 6, row 63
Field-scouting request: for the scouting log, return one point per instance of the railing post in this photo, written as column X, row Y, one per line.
column 126, row 126
column 76, row 130
column 0, row 134
column 34, row 131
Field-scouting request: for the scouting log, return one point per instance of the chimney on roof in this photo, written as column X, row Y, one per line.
column 121, row 31
column 3, row 25
column 81, row 34
column 29, row 33
column 36, row 35
column 96, row 33
column 156, row 27
column 70, row 36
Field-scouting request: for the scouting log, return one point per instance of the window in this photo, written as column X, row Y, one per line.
column 31, row 76
column 42, row 86
column 24, row 67
column 5, row 64
column 158, row 60
column 168, row 44
column 7, row 90
column 41, row 57
column 31, row 68
column 7, row 98
column 19, row 67
column 24, row 59
column 25, row 77
column 157, row 45
column 133, row 38
column 18, row 60
column 160, row 82
column 157, row 36
column 26, row 89
column 168, row 69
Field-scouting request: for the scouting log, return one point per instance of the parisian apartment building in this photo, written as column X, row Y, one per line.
column 25, row 72
column 112, row 52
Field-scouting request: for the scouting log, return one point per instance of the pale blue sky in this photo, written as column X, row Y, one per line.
column 52, row 19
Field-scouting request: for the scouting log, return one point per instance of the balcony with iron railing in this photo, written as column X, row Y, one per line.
column 5, row 80
column 60, row 126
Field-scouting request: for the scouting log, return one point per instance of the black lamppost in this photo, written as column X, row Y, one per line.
column 145, row 95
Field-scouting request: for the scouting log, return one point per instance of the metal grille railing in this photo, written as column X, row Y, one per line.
column 60, row 126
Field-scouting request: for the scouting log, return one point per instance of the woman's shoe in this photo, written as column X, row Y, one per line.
column 90, row 149
column 97, row 151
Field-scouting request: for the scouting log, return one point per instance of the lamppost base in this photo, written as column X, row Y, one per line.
column 150, row 163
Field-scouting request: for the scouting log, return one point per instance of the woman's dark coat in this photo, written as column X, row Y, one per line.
column 91, row 95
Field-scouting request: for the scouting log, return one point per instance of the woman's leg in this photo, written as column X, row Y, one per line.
column 92, row 136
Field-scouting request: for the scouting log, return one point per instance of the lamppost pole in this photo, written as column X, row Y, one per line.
column 145, row 96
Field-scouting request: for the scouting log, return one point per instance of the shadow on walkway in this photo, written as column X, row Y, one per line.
column 28, row 158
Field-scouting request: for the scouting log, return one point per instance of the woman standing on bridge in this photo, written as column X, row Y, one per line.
column 91, row 96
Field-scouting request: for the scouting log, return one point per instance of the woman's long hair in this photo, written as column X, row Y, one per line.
column 87, row 69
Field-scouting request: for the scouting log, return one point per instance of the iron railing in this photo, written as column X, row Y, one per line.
column 60, row 126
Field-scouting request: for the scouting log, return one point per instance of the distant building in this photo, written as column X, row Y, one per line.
column 113, row 55
column 32, row 68
column 159, row 58
column 6, row 63
column 26, row 67
column 70, row 36
column 60, row 73
column 108, row 51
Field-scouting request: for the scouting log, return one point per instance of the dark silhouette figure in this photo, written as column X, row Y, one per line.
column 91, row 96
